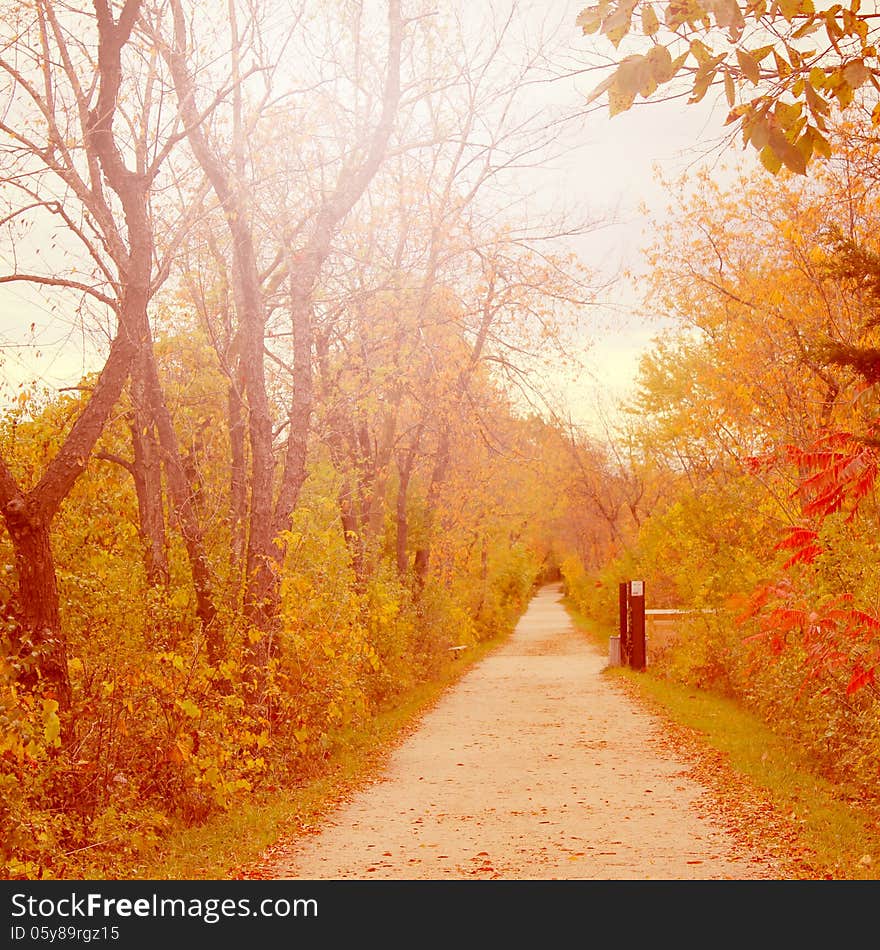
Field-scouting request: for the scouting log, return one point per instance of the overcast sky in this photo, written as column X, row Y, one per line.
column 616, row 172
column 611, row 174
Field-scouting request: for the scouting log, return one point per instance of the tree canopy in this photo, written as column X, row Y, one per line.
column 785, row 66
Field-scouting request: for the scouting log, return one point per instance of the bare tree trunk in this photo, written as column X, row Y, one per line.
column 351, row 521
column 238, row 473
column 42, row 653
column 262, row 591
column 296, row 457
column 123, row 247
column 402, row 521
column 147, row 474
column 422, row 559
column 133, row 190
column 28, row 516
column 184, row 508
column 306, row 267
column 261, row 597
column 379, row 476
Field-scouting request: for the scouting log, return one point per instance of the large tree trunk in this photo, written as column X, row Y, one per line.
column 262, row 591
column 28, row 517
column 261, row 595
column 42, row 652
column 129, row 243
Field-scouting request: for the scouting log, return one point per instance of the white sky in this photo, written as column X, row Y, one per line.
column 616, row 171
column 611, row 175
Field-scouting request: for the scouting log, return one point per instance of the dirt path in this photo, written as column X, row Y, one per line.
column 533, row 766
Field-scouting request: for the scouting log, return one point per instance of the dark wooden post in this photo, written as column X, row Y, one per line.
column 637, row 651
column 624, row 622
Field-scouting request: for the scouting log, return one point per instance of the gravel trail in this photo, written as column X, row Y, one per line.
column 533, row 766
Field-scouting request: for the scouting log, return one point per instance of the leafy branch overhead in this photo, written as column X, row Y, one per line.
column 784, row 65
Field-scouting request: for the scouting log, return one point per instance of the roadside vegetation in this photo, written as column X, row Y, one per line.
column 311, row 449
column 747, row 460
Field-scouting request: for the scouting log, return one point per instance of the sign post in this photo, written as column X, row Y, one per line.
column 623, row 605
column 636, row 626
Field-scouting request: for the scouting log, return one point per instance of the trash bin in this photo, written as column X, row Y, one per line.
column 614, row 651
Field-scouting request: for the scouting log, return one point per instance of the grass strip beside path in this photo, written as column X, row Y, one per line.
column 231, row 845
column 764, row 790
